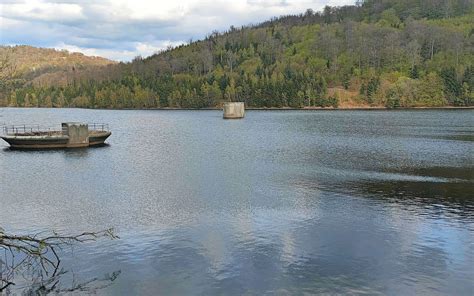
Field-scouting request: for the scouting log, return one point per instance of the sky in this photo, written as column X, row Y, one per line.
column 123, row 29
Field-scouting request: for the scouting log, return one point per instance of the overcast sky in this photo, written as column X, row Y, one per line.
column 123, row 29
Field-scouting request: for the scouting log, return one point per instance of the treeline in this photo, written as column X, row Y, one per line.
column 182, row 91
column 393, row 53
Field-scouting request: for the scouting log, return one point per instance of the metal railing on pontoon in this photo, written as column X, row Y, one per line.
column 36, row 129
column 30, row 129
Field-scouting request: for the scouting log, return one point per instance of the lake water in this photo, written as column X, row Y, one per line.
column 281, row 202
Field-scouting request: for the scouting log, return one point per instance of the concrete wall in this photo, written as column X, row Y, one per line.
column 78, row 134
column 234, row 110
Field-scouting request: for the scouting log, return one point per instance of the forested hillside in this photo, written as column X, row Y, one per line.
column 393, row 53
column 26, row 65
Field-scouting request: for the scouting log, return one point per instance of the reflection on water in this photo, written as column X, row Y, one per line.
column 440, row 189
column 468, row 137
column 32, row 280
column 290, row 202
column 75, row 151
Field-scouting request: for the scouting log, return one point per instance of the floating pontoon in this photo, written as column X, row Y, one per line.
column 69, row 135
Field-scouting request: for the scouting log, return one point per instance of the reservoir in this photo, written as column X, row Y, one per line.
column 281, row 202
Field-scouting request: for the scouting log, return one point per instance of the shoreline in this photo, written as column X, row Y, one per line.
column 265, row 108
column 365, row 108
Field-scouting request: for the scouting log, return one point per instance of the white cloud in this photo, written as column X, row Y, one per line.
column 151, row 10
column 8, row 23
column 139, row 48
column 146, row 49
column 44, row 11
column 123, row 29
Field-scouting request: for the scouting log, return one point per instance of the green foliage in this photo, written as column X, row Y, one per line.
column 453, row 87
column 414, row 74
column 425, row 92
column 369, row 90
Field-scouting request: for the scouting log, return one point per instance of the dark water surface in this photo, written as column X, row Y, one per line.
column 282, row 202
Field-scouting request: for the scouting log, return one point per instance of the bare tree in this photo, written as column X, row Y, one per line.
column 231, row 60
column 7, row 65
column 38, row 253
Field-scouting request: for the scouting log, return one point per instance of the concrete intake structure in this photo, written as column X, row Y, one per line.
column 234, row 110
column 78, row 134
column 71, row 135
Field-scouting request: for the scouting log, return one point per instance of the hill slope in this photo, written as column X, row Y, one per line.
column 393, row 53
column 20, row 65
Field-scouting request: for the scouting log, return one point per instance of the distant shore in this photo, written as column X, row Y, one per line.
column 366, row 108
column 361, row 108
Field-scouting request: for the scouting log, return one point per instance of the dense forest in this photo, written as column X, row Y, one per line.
column 392, row 53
